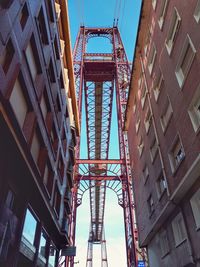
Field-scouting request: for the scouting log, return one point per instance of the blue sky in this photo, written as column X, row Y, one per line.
column 100, row 13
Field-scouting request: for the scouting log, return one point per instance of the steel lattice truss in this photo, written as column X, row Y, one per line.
column 97, row 75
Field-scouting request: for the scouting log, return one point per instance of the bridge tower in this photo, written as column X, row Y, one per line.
column 97, row 75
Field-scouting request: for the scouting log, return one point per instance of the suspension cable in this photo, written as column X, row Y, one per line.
column 122, row 16
column 80, row 11
column 118, row 5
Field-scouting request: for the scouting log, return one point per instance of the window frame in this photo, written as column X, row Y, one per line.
column 197, row 12
column 164, row 243
column 194, row 117
column 7, row 56
column 180, row 75
column 153, row 149
column 140, row 145
column 163, row 11
column 143, row 95
column 145, row 172
column 154, row 4
column 171, row 154
column 166, row 115
column 29, row 209
column 159, row 83
column 148, row 119
column 24, row 15
column 195, row 206
column 173, row 31
column 152, row 59
column 176, row 229
column 158, row 187
column 151, row 205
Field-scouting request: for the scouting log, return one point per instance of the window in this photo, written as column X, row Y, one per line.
column 32, row 59
column 166, row 115
column 29, row 229
column 164, row 243
column 197, row 12
column 194, row 110
column 43, row 107
column 185, row 61
column 56, row 48
column 18, row 103
column 176, row 154
column 154, row 2
column 137, row 125
column 6, row 3
column 48, row 178
column 58, row 107
column 161, row 184
column 134, row 106
column 35, row 146
column 140, row 80
column 195, row 204
column 150, row 204
column 51, row 72
column 147, row 42
column 42, row 27
column 50, row 10
column 153, row 149
column 43, row 245
column 143, row 95
column 148, row 120
column 57, row 200
column 173, row 30
column 7, row 56
column 10, row 199
column 159, row 83
column 140, row 146
column 23, row 16
column 61, row 167
column 145, row 173
column 52, row 255
column 46, row 174
column 152, row 58
column 162, row 13
column 179, row 230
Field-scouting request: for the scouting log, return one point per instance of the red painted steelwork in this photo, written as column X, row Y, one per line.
column 97, row 75
column 100, row 161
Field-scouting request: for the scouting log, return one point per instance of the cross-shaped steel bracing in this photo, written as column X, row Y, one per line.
column 97, row 75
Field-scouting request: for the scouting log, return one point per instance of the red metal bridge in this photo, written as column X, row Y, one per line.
column 97, row 75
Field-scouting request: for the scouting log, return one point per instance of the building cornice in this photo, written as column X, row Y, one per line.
column 135, row 74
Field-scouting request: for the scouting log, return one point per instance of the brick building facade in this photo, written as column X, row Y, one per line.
column 38, row 127
column 163, row 124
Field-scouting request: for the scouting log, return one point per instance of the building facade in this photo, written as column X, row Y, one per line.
column 163, row 125
column 38, row 127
